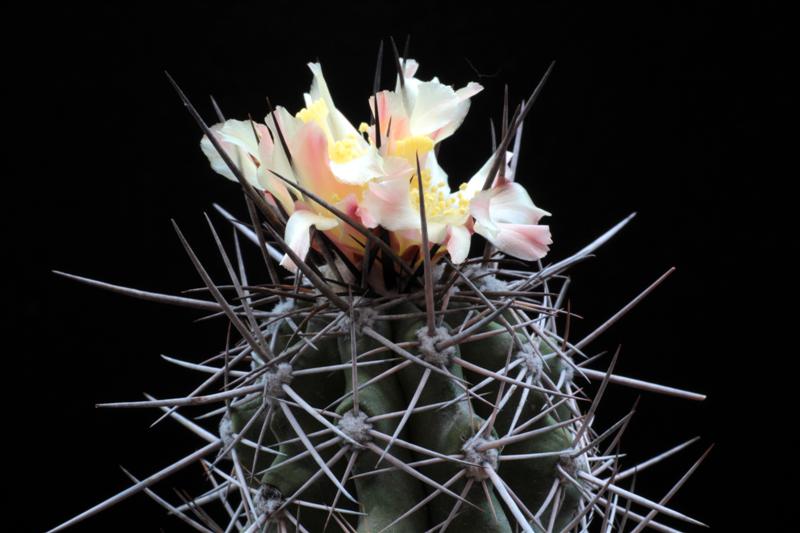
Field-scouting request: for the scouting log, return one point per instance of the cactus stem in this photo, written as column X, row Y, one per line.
column 244, row 488
column 504, row 441
column 419, row 449
column 369, row 332
column 468, row 332
column 347, row 471
column 414, row 473
column 525, row 456
column 344, row 366
column 315, row 413
column 424, row 501
column 422, row 462
column 236, row 438
column 499, row 377
column 485, row 487
column 411, row 405
column 383, row 375
column 520, row 405
column 538, row 416
column 298, row 429
column 333, row 460
column 500, row 402
column 421, row 409
column 505, row 494
column 302, row 455
column 312, row 505
column 454, row 511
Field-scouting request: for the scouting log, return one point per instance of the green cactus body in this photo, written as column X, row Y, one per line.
column 429, row 437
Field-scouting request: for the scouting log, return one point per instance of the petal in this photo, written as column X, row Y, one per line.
column 310, row 157
column 410, row 65
column 458, row 243
column 340, row 126
column 476, row 182
column 387, row 203
column 390, row 106
column 297, row 233
column 480, row 209
column 360, row 170
column 239, row 142
column 510, row 203
column 524, row 241
column 439, row 110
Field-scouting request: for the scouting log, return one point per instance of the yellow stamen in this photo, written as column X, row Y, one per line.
column 411, row 146
column 344, row 150
column 316, row 112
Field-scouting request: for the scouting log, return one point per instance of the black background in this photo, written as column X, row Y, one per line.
column 667, row 110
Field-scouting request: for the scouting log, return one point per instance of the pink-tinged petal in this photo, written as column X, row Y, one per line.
column 390, row 106
column 507, row 218
column 297, row 234
column 510, row 203
column 349, row 206
column 524, row 241
column 387, row 203
column 239, row 142
column 458, row 243
column 310, row 157
column 344, row 235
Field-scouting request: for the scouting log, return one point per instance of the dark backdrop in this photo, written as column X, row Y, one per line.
column 664, row 110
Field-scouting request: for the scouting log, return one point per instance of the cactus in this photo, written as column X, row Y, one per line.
column 388, row 383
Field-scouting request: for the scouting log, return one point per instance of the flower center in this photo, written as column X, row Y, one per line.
column 340, row 151
column 439, row 201
column 411, row 146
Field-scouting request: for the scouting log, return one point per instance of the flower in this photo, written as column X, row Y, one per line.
column 374, row 180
